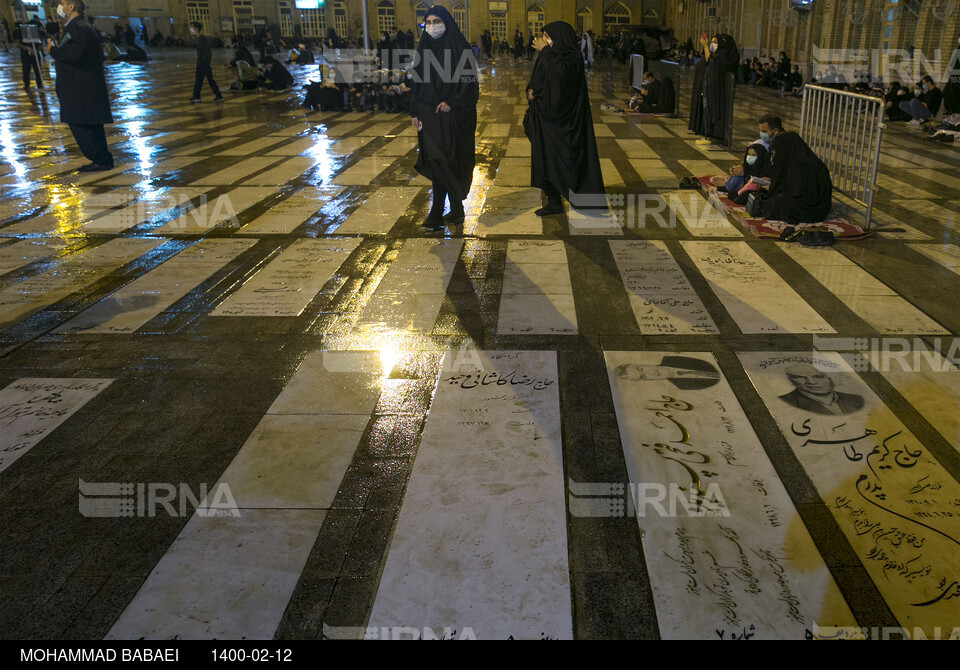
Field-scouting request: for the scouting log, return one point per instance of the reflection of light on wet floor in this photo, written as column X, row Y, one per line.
column 326, row 161
column 473, row 205
column 8, row 149
column 139, row 147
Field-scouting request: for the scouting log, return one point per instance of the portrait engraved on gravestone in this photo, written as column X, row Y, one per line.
column 815, row 391
column 687, row 374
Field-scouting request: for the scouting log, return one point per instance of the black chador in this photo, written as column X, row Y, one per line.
column 801, row 190
column 708, row 106
column 559, row 125
column 446, row 76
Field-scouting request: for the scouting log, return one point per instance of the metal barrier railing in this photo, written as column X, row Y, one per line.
column 845, row 131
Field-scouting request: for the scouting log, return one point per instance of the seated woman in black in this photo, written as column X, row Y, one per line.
column 801, row 190
column 892, row 100
column 276, row 77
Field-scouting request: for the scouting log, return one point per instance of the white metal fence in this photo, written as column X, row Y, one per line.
column 845, row 131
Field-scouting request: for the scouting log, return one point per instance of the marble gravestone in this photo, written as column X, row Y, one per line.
column 727, row 554
column 896, row 504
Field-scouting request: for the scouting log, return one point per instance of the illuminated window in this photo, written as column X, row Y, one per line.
column 313, row 22
column 199, row 11
column 421, row 10
column 460, row 18
column 535, row 20
column 286, row 18
column 243, row 17
column 616, row 15
column 340, row 18
column 386, row 17
column 584, row 19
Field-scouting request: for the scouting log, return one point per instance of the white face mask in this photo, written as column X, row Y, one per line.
column 437, row 30
column 62, row 14
column 713, row 48
column 751, row 160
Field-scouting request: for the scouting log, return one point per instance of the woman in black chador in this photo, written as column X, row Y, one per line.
column 708, row 107
column 444, row 109
column 559, row 124
column 801, row 190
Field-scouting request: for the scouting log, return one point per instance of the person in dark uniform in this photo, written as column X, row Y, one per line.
column 29, row 60
column 444, row 110
column 81, row 86
column 204, row 56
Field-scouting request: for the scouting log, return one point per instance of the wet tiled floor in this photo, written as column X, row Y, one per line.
column 538, row 428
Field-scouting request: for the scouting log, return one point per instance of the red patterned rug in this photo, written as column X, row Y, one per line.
column 762, row 228
column 844, row 230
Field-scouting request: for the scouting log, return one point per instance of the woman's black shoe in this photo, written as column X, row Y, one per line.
column 552, row 209
column 434, row 222
column 455, row 217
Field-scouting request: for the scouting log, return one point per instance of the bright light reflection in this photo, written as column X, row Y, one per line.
column 324, row 158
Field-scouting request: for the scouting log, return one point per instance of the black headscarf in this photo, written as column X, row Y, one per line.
column 447, row 141
column 759, row 169
column 559, row 123
column 800, row 187
column 434, row 70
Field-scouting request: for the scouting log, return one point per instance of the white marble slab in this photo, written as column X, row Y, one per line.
column 869, row 298
column 23, row 252
column 518, row 147
column 496, row 130
column 259, row 145
column 285, row 216
column 890, row 497
column 399, row 146
column 223, row 578
column 30, row 409
column 662, row 298
column 611, row 175
column 725, row 549
column 509, row 211
column 236, row 172
column 20, row 300
column 205, row 146
column 947, row 255
column 286, row 285
column 412, row 292
column 215, row 211
column 514, row 172
column 655, row 174
column 602, row 223
column 363, row 172
column 930, row 383
column 480, row 542
column 282, row 173
column 757, row 298
column 380, row 212
column 333, row 383
column 701, row 168
column 637, row 149
column 701, row 216
column 295, row 147
column 537, row 295
column 294, row 461
column 131, row 307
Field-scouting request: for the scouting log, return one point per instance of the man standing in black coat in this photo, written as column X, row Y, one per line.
column 204, row 55
column 81, row 85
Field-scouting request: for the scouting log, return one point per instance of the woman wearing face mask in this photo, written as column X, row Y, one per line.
column 444, row 110
column 756, row 163
column 708, row 107
column 559, row 124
